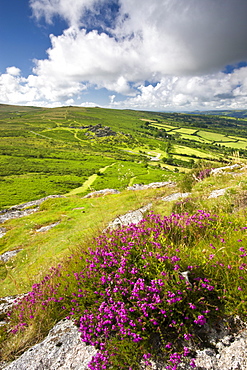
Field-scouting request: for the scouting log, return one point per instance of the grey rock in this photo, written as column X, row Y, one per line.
column 219, row 170
column 61, row 349
column 3, row 231
column 217, row 193
column 6, row 304
column 129, row 218
column 230, row 357
column 101, row 192
column 5, row 257
column 175, row 196
column 152, row 185
column 48, row 227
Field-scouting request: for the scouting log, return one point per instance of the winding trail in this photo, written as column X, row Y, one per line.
column 88, row 182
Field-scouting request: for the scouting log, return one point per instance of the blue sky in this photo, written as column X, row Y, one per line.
column 149, row 54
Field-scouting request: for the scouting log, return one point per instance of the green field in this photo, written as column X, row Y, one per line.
column 188, row 131
column 214, row 137
column 236, row 145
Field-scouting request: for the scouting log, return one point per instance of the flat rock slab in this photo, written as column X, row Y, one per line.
column 216, row 171
column 62, row 349
column 217, row 193
column 152, row 185
column 175, row 196
column 129, row 218
column 231, row 356
column 101, row 192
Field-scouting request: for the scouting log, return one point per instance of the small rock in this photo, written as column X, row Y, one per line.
column 175, row 196
column 101, row 192
column 2, row 231
column 152, row 185
column 5, row 257
column 129, row 218
column 48, row 227
column 217, row 193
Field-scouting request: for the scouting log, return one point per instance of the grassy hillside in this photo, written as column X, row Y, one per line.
column 200, row 234
column 62, row 151
column 53, row 151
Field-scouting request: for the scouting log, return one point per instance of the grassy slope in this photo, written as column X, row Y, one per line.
column 42, row 155
column 81, row 219
column 43, row 249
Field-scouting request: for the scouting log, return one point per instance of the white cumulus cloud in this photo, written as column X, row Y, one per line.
column 216, row 91
column 159, row 53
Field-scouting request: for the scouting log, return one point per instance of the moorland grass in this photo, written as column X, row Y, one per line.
column 79, row 219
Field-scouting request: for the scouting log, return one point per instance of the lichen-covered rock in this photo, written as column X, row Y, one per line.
column 129, row 218
column 62, row 349
column 2, row 231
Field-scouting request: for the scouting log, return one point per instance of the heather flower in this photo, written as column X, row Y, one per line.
column 201, row 320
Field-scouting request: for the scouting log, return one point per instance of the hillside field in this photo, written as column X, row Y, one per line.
column 54, row 151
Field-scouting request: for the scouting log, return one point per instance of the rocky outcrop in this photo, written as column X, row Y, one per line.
column 23, row 209
column 6, row 305
column 48, row 227
column 225, row 169
column 99, row 130
column 3, row 231
column 217, row 193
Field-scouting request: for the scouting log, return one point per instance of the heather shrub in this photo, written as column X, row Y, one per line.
column 141, row 292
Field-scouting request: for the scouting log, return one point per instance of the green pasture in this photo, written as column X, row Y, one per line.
column 238, row 138
column 235, row 145
column 179, row 149
column 188, row 131
column 194, row 138
column 122, row 174
column 163, row 126
column 214, row 136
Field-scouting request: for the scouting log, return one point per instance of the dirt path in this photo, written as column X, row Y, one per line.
column 88, row 182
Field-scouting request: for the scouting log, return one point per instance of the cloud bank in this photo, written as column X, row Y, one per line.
column 164, row 54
